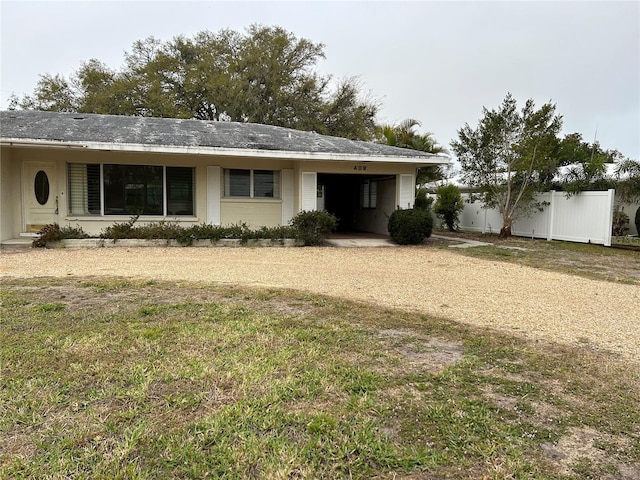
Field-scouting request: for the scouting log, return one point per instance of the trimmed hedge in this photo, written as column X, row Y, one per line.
column 411, row 226
column 54, row 233
column 309, row 228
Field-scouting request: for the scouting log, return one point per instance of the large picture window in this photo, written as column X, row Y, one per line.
column 133, row 190
column 251, row 183
column 112, row 189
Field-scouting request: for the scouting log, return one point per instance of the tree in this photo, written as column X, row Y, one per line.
column 448, row 205
column 265, row 75
column 52, row 93
column 404, row 135
column 585, row 165
column 627, row 172
column 510, row 156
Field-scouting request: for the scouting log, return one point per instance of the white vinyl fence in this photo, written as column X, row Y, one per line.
column 585, row 217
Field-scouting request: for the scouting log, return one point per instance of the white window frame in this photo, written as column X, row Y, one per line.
column 277, row 184
column 164, row 190
column 369, row 199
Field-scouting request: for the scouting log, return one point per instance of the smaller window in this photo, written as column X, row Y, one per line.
column 369, row 194
column 41, row 187
column 266, row 184
column 237, row 183
column 180, row 191
column 251, row 183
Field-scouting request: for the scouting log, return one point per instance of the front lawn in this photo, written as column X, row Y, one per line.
column 123, row 379
column 583, row 259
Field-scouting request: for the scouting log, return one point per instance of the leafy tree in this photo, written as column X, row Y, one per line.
column 510, row 156
column 627, row 172
column 586, row 165
column 449, row 204
column 265, row 75
column 52, row 93
column 422, row 202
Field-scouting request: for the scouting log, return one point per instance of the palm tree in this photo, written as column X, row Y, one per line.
column 403, row 135
column 627, row 172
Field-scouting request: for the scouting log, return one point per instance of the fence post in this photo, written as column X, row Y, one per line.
column 551, row 215
column 611, row 194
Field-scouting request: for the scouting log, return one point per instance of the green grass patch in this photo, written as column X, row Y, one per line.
column 126, row 379
column 583, row 259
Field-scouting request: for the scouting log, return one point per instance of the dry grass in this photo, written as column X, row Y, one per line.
column 120, row 378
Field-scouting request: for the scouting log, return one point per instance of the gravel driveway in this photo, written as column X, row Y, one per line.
column 502, row 296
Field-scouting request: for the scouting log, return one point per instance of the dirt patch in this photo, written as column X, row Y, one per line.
column 421, row 354
column 579, row 447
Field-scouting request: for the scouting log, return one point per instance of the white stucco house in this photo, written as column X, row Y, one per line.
column 93, row 170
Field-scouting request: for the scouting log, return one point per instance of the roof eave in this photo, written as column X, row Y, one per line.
column 435, row 159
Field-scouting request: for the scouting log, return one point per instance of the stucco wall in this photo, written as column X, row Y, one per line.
column 254, row 213
column 375, row 219
column 10, row 196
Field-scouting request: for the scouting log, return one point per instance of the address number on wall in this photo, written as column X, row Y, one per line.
column 360, row 168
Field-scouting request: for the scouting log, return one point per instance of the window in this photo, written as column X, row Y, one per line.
column 83, row 189
column 369, row 194
column 41, row 187
column 251, row 183
column 133, row 190
column 237, row 183
column 130, row 190
column 179, row 191
column 265, row 184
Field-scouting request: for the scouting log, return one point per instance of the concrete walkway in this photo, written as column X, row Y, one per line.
column 361, row 242
column 359, row 239
column 467, row 243
column 372, row 240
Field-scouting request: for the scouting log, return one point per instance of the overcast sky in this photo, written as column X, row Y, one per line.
column 437, row 62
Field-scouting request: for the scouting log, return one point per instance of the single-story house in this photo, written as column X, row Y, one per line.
column 93, row 170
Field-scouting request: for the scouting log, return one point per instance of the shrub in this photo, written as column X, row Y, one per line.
column 620, row 223
column 312, row 228
column 53, row 233
column 119, row 230
column 164, row 230
column 275, row 233
column 410, row 227
column 449, row 205
column 422, row 201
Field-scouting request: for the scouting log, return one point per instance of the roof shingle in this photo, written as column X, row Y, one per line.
column 114, row 129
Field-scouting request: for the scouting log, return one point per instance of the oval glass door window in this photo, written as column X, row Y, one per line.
column 41, row 187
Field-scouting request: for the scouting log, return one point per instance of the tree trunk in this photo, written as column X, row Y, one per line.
column 505, row 231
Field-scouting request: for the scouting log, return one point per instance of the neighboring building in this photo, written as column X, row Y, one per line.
column 94, row 170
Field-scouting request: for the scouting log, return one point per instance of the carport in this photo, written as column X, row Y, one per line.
column 362, row 203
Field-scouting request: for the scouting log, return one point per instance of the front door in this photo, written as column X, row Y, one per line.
column 39, row 194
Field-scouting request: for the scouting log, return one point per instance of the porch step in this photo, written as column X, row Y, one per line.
column 16, row 243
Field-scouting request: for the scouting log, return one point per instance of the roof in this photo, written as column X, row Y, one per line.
column 171, row 135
